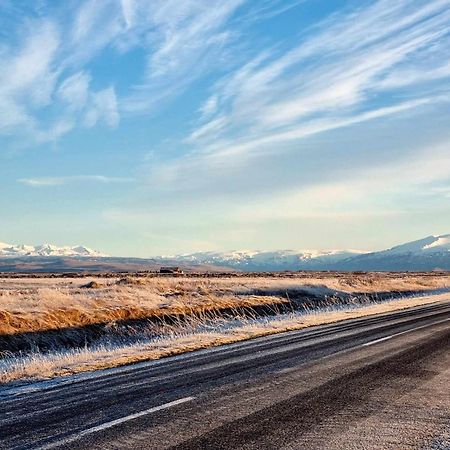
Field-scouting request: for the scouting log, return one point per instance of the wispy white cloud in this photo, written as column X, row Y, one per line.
column 266, row 9
column 323, row 83
column 54, row 131
column 38, row 72
column 103, row 107
column 27, row 76
column 92, row 27
column 186, row 39
column 74, row 90
column 128, row 11
column 314, row 127
column 239, row 153
column 407, row 76
column 318, row 84
column 324, row 75
column 58, row 181
column 180, row 41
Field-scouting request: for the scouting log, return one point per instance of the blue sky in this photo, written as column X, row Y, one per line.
column 144, row 127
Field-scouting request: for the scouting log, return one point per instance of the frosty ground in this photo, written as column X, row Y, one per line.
column 53, row 326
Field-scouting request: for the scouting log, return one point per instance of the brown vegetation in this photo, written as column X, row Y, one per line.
column 39, row 304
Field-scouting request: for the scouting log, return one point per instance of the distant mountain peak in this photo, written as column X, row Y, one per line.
column 430, row 244
column 47, row 249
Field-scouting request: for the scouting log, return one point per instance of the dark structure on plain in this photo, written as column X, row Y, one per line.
column 170, row 270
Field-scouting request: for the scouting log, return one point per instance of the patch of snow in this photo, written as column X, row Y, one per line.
column 441, row 243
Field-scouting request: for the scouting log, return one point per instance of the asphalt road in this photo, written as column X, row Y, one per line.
column 381, row 382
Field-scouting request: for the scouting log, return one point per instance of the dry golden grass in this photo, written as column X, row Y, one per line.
column 38, row 304
column 43, row 366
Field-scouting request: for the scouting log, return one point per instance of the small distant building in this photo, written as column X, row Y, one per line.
column 170, row 270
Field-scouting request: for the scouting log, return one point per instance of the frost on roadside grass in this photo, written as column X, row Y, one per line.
column 111, row 352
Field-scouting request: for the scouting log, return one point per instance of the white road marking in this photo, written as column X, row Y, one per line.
column 376, row 341
column 380, row 340
column 113, row 423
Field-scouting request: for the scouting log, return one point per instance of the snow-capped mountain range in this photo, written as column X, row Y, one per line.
column 262, row 260
column 424, row 254
column 47, row 250
column 432, row 252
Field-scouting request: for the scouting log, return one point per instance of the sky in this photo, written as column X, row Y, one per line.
column 147, row 127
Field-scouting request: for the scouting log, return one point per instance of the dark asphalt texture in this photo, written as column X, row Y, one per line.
column 381, row 382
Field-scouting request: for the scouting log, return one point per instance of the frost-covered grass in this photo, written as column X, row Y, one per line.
column 172, row 340
column 38, row 304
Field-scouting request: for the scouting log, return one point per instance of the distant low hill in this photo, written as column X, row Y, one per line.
column 430, row 253
column 74, row 264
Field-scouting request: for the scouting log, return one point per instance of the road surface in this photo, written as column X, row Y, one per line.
column 382, row 382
